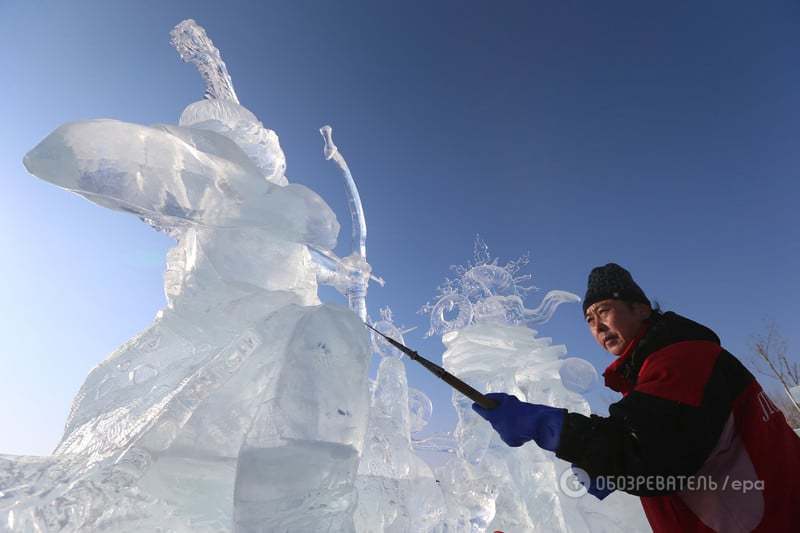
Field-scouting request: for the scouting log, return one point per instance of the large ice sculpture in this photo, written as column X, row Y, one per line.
column 489, row 486
column 244, row 406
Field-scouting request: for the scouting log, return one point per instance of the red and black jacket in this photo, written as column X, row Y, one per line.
column 694, row 435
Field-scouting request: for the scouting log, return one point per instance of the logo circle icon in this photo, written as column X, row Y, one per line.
column 573, row 482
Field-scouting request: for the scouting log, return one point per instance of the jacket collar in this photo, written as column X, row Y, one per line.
column 658, row 331
column 615, row 375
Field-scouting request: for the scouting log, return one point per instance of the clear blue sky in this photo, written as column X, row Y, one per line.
column 662, row 137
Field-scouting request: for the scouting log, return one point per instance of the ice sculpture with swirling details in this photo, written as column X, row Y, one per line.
column 245, row 404
column 485, row 292
column 489, row 486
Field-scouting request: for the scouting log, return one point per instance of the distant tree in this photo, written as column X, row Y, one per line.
column 786, row 405
column 769, row 357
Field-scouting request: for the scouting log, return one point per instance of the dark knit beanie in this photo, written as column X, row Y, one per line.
column 612, row 282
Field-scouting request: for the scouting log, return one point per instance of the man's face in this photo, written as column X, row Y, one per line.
column 614, row 323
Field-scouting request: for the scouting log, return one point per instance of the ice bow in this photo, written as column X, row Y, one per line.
column 355, row 284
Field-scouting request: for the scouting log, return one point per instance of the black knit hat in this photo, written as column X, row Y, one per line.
column 612, row 282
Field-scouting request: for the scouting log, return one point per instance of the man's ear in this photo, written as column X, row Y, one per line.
column 642, row 311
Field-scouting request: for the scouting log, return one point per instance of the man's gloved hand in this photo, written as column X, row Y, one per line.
column 518, row 422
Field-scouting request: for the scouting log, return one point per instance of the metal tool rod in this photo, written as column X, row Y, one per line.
column 441, row 373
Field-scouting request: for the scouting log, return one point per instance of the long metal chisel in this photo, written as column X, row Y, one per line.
column 441, row 373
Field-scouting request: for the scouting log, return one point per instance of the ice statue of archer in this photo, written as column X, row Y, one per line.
column 244, row 405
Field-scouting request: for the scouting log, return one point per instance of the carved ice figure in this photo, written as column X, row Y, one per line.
column 397, row 491
column 489, row 344
column 245, row 404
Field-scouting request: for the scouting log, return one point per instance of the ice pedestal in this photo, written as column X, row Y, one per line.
column 301, row 486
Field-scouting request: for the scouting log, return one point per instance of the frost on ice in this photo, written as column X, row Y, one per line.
column 246, row 405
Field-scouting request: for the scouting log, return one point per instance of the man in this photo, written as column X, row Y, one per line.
column 694, row 435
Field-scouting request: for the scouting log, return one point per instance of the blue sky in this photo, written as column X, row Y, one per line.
column 659, row 137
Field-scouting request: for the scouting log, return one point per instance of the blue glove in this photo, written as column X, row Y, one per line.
column 590, row 484
column 519, row 422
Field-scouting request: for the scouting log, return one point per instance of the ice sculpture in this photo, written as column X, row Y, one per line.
column 244, row 405
column 489, row 486
column 397, row 491
column 387, row 326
